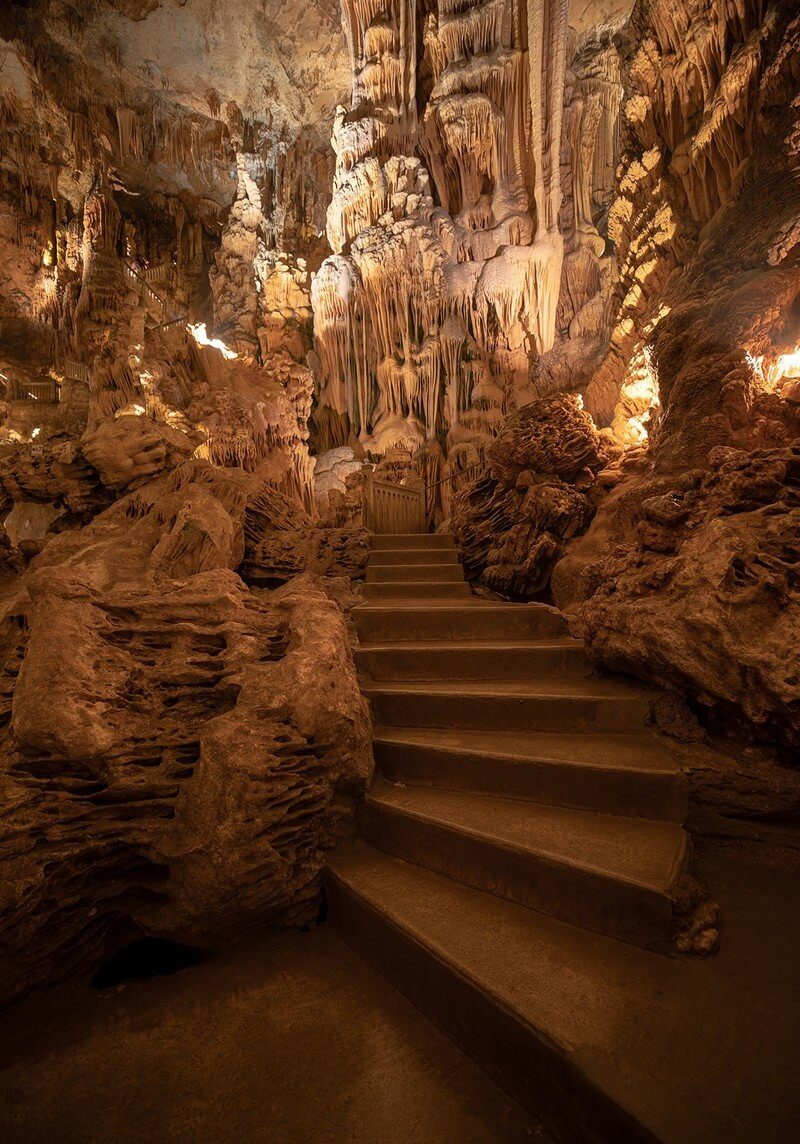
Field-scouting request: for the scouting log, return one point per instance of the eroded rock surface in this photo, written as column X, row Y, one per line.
column 179, row 751
column 513, row 522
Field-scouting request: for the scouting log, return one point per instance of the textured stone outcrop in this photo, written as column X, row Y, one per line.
column 688, row 573
column 694, row 582
column 513, row 522
column 178, row 751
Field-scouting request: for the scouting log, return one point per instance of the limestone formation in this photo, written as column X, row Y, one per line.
column 179, row 757
column 513, row 522
column 533, row 267
column 687, row 573
column 445, row 274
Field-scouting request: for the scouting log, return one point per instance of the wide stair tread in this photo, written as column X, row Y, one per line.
column 594, row 687
column 592, row 705
column 630, row 752
column 642, row 852
column 403, row 557
column 414, row 573
column 470, row 659
column 631, row 775
column 456, row 619
column 416, row 590
column 405, row 540
column 573, row 1024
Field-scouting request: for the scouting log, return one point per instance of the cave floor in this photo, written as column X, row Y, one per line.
column 292, row 1038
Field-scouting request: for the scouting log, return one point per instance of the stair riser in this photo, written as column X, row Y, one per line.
column 415, row 573
column 471, row 624
column 419, row 591
column 584, row 898
column 473, row 663
column 401, row 558
column 632, row 794
column 527, row 1066
column 502, row 713
column 379, row 543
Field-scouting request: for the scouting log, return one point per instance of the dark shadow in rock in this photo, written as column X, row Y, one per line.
column 144, row 959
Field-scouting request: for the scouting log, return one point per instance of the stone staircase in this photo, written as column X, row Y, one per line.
column 523, row 858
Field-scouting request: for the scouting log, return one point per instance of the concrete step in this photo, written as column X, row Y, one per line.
column 394, row 557
column 404, row 540
column 414, row 573
column 417, row 591
column 553, row 705
column 605, row 873
column 512, row 659
column 578, row 1028
column 457, row 620
column 628, row 775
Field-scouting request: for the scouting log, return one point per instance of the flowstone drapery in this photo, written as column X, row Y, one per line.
column 444, row 280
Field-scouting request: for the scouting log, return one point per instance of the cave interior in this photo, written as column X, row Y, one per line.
column 400, row 571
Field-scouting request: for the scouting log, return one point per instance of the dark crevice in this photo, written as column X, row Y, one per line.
column 144, row 959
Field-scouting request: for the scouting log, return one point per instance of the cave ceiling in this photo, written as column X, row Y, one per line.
column 265, row 71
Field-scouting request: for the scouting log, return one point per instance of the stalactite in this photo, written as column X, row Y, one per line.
column 417, row 296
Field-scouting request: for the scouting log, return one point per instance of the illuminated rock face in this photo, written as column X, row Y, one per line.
column 687, row 573
column 186, row 743
column 687, row 354
column 445, row 275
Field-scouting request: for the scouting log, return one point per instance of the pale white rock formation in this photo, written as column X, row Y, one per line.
column 445, row 275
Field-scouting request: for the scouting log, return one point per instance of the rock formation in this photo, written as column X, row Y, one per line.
column 687, row 573
column 181, row 746
column 445, row 273
column 541, row 264
column 513, row 522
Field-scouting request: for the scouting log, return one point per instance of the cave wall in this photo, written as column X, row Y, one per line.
column 689, row 572
column 663, row 516
column 555, row 245
column 473, row 167
column 183, row 737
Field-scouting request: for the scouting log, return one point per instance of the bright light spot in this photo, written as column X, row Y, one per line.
column 132, row 409
column 47, row 256
column 200, row 335
column 35, row 432
column 770, row 373
column 756, row 365
column 637, row 399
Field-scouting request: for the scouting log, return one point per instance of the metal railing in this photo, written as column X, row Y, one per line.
column 136, row 276
column 392, row 508
column 75, row 370
column 34, row 391
column 389, row 507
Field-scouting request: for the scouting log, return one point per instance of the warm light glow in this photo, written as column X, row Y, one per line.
column 35, row 432
column 770, row 373
column 200, row 335
column 637, row 399
column 643, row 388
